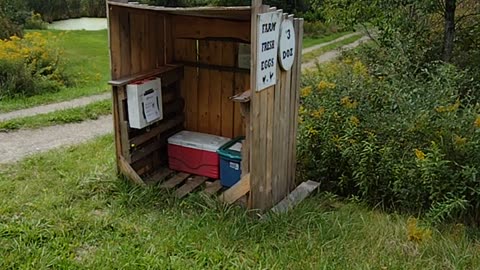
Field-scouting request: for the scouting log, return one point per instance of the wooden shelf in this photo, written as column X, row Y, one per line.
column 168, row 75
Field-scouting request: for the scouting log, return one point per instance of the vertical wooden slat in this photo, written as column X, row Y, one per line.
column 125, row 48
column 259, row 198
column 203, row 88
column 227, row 107
column 168, row 40
column 215, row 57
column 295, row 88
column 278, row 168
column 114, row 41
column 136, row 25
column 148, row 52
column 157, row 24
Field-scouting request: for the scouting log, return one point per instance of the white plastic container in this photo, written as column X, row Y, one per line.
column 144, row 100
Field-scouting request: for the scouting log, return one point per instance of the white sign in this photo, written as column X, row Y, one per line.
column 268, row 27
column 150, row 107
column 286, row 52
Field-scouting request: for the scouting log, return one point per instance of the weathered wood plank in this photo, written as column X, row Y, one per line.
column 237, row 191
column 203, row 89
column 231, row 13
column 212, row 187
column 227, row 107
column 125, row 50
column 203, row 28
column 159, row 176
column 166, row 125
column 215, row 56
column 189, row 186
column 296, row 196
column 295, row 97
column 114, row 41
column 169, row 74
column 175, row 180
column 136, row 40
column 129, row 172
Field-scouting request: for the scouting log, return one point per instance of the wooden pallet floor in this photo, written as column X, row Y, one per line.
column 184, row 183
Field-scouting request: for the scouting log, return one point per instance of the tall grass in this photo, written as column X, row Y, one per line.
column 68, row 209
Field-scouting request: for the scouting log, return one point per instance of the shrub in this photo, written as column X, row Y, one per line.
column 30, row 66
column 407, row 141
column 35, row 21
column 318, row 29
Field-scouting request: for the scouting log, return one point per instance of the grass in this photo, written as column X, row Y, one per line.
column 91, row 111
column 87, row 61
column 316, row 53
column 312, row 41
column 68, row 209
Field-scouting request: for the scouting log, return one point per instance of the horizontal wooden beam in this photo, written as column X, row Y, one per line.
column 204, row 28
column 168, row 74
column 164, row 126
column 233, row 13
column 215, row 67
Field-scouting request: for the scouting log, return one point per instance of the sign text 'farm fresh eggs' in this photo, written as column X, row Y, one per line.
column 267, row 45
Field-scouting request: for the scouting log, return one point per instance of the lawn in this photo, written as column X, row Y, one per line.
column 87, row 61
column 68, row 209
column 73, row 115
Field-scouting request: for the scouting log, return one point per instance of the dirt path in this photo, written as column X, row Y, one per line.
column 16, row 145
column 316, row 47
column 331, row 55
column 79, row 102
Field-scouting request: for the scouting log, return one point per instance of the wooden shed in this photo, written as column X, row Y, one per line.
column 207, row 59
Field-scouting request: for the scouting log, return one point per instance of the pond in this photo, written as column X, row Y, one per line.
column 80, row 24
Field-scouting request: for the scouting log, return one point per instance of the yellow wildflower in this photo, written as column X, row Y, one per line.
column 420, row 155
column 318, row 113
column 477, row 122
column 450, row 108
column 458, row 140
column 416, row 234
column 348, row 103
column 323, row 85
column 306, row 91
column 354, row 120
column 359, row 68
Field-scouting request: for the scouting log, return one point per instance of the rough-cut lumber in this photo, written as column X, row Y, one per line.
column 129, row 171
column 242, row 97
column 175, row 180
column 297, row 196
column 158, row 176
column 203, row 28
column 189, row 186
column 166, row 125
column 237, row 191
column 168, row 74
column 233, row 13
column 212, row 187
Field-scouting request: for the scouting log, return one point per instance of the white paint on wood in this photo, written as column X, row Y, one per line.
column 268, row 27
column 286, row 51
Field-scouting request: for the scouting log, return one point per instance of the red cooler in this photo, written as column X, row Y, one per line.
column 195, row 153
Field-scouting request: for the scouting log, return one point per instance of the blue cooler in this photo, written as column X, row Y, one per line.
column 230, row 162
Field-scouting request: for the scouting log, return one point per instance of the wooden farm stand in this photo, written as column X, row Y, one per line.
column 195, row 53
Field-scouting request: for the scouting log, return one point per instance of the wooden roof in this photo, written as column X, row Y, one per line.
column 232, row 13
